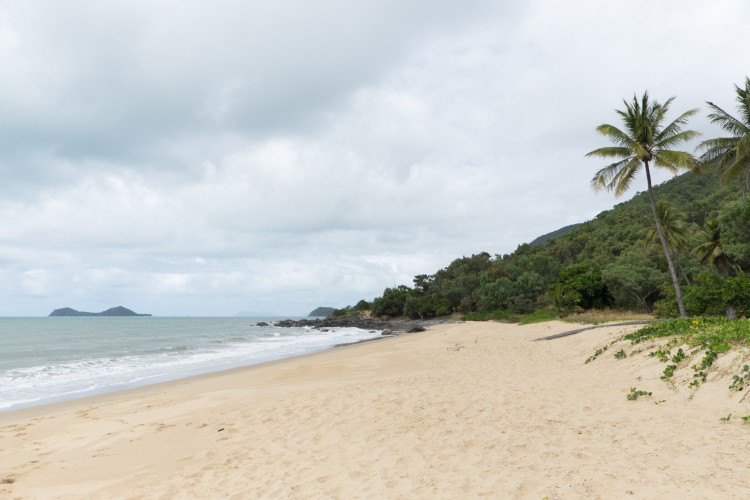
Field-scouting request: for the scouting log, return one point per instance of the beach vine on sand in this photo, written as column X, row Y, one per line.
column 636, row 393
column 701, row 339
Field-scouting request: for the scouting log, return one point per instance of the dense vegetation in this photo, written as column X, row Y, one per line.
column 621, row 259
column 605, row 262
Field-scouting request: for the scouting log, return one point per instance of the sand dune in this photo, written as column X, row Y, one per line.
column 461, row 411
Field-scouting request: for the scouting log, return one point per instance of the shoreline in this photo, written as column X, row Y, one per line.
column 461, row 410
column 178, row 372
column 36, row 410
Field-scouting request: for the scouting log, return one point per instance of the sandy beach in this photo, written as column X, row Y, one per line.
column 468, row 410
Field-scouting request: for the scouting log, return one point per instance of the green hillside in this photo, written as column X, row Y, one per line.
column 554, row 234
column 605, row 262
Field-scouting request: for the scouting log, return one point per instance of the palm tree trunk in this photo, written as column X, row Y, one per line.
column 684, row 274
column 665, row 246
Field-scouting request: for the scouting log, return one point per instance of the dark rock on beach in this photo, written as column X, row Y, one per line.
column 386, row 326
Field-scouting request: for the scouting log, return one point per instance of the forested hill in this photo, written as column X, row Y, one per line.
column 603, row 262
column 554, row 234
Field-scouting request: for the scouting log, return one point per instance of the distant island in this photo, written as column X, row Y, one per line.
column 113, row 311
column 321, row 312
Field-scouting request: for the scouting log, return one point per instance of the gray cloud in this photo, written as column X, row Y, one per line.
column 276, row 156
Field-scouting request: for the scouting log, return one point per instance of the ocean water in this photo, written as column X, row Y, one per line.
column 51, row 359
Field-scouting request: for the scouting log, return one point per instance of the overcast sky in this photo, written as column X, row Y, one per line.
column 271, row 156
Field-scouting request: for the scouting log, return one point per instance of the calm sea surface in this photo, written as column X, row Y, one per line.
column 50, row 359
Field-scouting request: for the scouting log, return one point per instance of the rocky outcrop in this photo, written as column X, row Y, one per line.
column 387, row 326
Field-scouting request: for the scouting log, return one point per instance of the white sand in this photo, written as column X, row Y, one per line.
column 460, row 411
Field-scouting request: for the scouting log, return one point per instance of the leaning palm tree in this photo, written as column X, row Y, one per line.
column 731, row 155
column 673, row 224
column 675, row 231
column 645, row 142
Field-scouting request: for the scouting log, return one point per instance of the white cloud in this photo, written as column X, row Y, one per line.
column 275, row 156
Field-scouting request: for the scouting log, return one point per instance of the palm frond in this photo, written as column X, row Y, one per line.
column 743, row 98
column 674, row 129
column 737, row 161
column 674, row 161
column 603, row 178
column 610, row 152
column 719, row 143
column 673, row 225
column 676, row 139
column 727, row 122
column 615, row 135
column 622, row 180
column 743, row 146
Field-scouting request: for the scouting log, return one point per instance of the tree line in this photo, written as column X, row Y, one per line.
column 681, row 248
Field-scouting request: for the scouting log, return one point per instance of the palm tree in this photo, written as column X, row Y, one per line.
column 644, row 143
column 711, row 252
column 673, row 224
column 731, row 155
column 675, row 231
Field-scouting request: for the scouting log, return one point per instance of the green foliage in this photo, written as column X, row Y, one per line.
column 712, row 335
column 707, row 361
column 716, row 334
column 711, row 251
column 538, row 316
column 636, row 393
column 634, row 280
column 346, row 312
column 392, row 302
column 620, row 354
column 362, row 305
column 731, row 155
column 735, row 231
column 581, row 285
column 740, row 381
column 679, row 356
column 604, row 262
column 425, row 305
column 736, row 294
column 596, row 354
column 645, row 143
column 661, row 354
column 489, row 316
column 563, row 300
column 705, row 295
column 698, row 379
column 644, row 140
column 673, row 224
column 668, row 372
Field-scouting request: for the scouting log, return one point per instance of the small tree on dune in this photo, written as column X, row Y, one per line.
column 645, row 143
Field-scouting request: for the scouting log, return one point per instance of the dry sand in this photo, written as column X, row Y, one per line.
column 461, row 411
